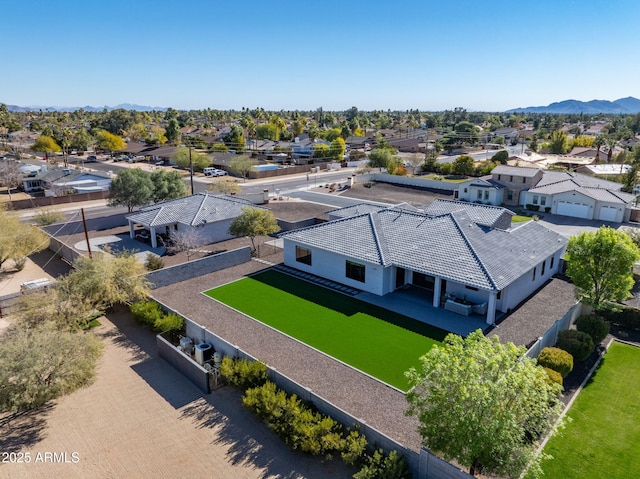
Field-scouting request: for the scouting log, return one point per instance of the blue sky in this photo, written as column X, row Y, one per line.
column 288, row 55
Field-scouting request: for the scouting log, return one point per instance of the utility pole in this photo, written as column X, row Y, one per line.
column 191, row 169
column 86, row 234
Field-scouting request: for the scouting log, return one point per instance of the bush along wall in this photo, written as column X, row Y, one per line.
column 305, row 429
column 578, row 344
column 594, row 326
column 151, row 315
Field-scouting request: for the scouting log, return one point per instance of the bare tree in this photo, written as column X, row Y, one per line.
column 186, row 241
column 10, row 175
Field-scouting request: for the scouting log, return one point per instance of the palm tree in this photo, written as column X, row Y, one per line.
column 599, row 141
column 611, row 143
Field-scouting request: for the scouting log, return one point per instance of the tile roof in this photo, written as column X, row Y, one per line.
column 360, row 208
column 452, row 245
column 515, row 171
column 194, row 210
column 484, row 215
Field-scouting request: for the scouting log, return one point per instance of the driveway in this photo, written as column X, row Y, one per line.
column 569, row 226
column 142, row 418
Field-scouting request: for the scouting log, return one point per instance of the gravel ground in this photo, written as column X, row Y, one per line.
column 394, row 194
column 378, row 405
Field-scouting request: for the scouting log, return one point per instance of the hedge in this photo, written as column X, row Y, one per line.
column 553, row 376
column 594, row 326
column 627, row 317
column 151, row 315
column 578, row 344
column 556, row 359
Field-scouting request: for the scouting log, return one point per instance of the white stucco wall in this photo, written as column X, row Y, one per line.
column 574, row 197
column 524, row 286
column 333, row 267
column 209, row 233
column 471, row 195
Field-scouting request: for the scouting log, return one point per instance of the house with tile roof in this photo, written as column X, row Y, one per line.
column 557, row 192
column 66, row 181
column 208, row 217
column 459, row 256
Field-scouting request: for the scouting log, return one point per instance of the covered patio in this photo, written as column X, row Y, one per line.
column 414, row 303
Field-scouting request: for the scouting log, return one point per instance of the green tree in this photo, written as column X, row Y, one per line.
column 81, row 140
column 131, row 188
column 57, row 363
column 501, row 157
column 337, row 149
column 600, row 265
column 266, row 131
column 381, row 158
column 172, row 132
column 137, row 132
column 483, row 404
column 559, row 144
column 109, row 142
column 219, row 147
column 18, row 239
column 234, row 139
column 241, row 165
column 45, row 144
column 463, row 165
column 167, row 185
column 254, row 222
column 184, row 158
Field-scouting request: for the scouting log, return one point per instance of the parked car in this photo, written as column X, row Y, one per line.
column 121, row 158
column 91, row 158
column 159, row 163
column 213, row 172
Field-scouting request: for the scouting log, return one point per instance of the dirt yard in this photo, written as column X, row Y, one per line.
column 142, row 418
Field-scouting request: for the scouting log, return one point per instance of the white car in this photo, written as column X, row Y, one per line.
column 213, row 172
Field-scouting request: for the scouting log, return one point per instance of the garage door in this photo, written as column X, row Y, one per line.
column 577, row 210
column 608, row 213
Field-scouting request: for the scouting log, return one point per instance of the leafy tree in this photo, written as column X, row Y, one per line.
column 167, row 185
column 483, row 403
column 332, row 133
column 172, row 132
column 81, row 140
column 45, row 144
column 266, row 131
column 18, row 239
column 600, row 265
column 156, row 136
column 467, row 132
column 463, row 165
column 234, row 139
column 137, row 132
column 254, row 222
column 381, row 158
column 105, row 280
column 559, row 144
column 225, row 186
column 337, row 149
column 131, row 188
column 533, row 144
column 320, row 152
column 109, row 142
column 501, row 157
column 184, row 158
column 219, row 147
column 56, row 363
column 241, row 165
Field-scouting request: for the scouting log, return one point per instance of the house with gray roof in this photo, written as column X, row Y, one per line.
column 207, row 217
column 460, row 257
column 66, row 181
column 557, row 192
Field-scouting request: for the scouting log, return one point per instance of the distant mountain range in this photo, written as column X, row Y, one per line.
column 123, row 106
column 629, row 105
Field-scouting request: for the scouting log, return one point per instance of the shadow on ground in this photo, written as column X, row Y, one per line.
column 21, row 431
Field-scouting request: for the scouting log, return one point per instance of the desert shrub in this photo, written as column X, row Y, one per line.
column 553, row 377
column 169, row 322
column 594, row 326
column 153, row 262
column 151, row 315
column 353, row 447
column 146, row 312
column 379, row 466
column 556, row 359
column 243, row 374
column 578, row 344
column 47, row 217
column 445, row 168
column 301, row 427
column 626, row 317
column 20, row 263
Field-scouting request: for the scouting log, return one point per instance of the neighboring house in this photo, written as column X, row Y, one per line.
column 65, row 181
column 515, row 181
column 207, row 217
column 481, row 190
column 361, row 208
column 604, row 169
column 580, row 196
column 462, row 250
column 556, row 192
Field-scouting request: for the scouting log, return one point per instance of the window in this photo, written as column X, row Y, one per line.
column 509, row 195
column 479, row 194
column 535, row 199
column 543, row 265
column 486, row 195
column 534, row 274
column 355, row 271
column 511, row 179
column 543, row 200
column 499, row 295
column 465, row 190
column 303, row 255
column 499, row 177
column 524, row 180
column 552, row 258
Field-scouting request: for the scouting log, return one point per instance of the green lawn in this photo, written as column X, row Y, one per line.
column 603, row 439
column 375, row 340
column 520, row 219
